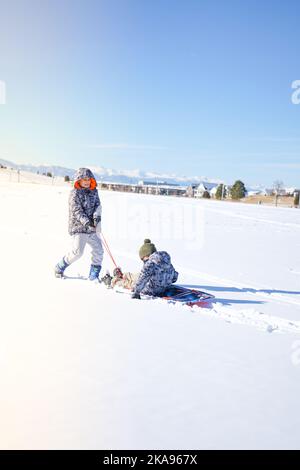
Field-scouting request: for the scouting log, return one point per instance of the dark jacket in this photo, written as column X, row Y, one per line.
column 84, row 204
column 157, row 274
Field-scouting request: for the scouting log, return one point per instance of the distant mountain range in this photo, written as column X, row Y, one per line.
column 114, row 176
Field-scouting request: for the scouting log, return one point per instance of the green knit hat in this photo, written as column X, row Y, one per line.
column 147, row 249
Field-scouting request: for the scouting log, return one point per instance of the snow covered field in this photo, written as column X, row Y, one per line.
column 84, row 367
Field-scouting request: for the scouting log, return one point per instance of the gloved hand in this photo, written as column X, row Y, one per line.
column 90, row 226
column 96, row 220
column 135, row 295
column 118, row 273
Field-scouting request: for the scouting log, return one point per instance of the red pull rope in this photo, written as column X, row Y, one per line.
column 108, row 249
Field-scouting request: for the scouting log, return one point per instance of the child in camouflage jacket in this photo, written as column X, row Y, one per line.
column 156, row 275
column 84, row 216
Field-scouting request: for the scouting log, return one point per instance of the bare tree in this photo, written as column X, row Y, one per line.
column 277, row 186
column 278, row 189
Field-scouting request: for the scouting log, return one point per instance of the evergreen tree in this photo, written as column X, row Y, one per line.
column 67, row 178
column 221, row 191
column 206, row 195
column 238, row 190
column 49, row 174
column 296, row 199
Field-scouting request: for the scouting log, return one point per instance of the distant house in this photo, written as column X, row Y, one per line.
column 147, row 187
column 254, row 192
column 200, row 190
column 259, row 192
column 204, row 187
column 291, row 191
column 213, row 191
column 190, row 191
column 267, row 192
column 280, row 192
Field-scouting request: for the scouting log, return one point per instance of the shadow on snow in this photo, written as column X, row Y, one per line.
column 241, row 290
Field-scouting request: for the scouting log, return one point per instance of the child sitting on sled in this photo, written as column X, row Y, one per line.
column 156, row 275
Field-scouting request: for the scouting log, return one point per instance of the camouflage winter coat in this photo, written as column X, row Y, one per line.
column 84, row 204
column 157, row 274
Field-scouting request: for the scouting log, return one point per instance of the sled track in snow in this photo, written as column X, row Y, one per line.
column 251, row 317
column 254, row 219
column 261, row 321
column 254, row 290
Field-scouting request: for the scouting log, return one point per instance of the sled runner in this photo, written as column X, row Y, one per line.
column 177, row 294
column 185, row 296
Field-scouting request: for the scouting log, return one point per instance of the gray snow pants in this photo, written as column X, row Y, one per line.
column 79, row 240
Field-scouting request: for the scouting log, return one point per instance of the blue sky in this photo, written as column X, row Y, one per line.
column 188, row 87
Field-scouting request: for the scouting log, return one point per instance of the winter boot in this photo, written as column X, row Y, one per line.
column 60, row 267
column 94, row 272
